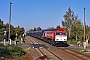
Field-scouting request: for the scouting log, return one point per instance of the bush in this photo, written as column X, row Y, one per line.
column 9, row 50
column 74, row 42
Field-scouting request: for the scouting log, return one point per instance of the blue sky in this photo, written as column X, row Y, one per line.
column 42, row 13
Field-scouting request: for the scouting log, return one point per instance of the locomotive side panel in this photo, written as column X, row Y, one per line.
column 50, row 35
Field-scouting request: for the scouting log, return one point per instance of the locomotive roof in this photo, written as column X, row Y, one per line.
column 61, row 29
column 58, row 30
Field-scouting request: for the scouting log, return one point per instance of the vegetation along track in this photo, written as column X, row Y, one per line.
column 76, row 54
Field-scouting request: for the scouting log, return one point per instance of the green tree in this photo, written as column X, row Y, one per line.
column 39, row 28
column 23, row 30
column 58, row 27
column 11, row 29
column 69, row 18
column 50, row 28
column 77, row 30
column 34, row 29
column 87, row 30
column 19, row 30
column 1, row 24
column 31, row 30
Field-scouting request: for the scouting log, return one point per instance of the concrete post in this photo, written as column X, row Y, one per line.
column 4, row 42
column 10, row 41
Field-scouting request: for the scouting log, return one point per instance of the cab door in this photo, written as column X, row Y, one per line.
column 57, row 36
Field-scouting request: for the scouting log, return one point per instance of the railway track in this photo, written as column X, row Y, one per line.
column 74, row 53
column 45, row 52
column 77, row 54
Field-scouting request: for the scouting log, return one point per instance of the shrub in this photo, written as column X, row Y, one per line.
column 11, row 50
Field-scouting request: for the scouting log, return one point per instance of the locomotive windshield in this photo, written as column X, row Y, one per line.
column 57, row 33
column 61, row 33
column 64, row 33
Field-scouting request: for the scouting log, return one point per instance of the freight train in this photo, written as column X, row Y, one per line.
column 56, row 37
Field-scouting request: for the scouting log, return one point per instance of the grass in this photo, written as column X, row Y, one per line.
column 73, row 42
column 80, row 49
column 26, row 49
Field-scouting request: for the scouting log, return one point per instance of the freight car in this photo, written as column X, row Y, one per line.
column 54, row 37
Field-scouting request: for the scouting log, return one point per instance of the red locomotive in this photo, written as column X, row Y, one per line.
column 57, row 37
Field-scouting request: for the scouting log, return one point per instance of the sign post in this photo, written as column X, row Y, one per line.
column 4, row 42
column 84, row 45
column 10, row 42
column 87, row 42
column 5, row 37
column 21, row 40
column 16, row 36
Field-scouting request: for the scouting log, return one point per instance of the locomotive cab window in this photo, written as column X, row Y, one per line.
column 64, row 33
column 57, row 33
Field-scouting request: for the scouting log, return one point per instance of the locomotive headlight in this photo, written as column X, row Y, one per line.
column 57, row 39
column 65, row 39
